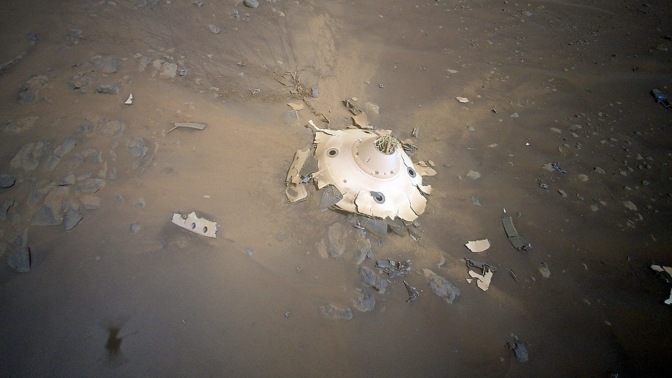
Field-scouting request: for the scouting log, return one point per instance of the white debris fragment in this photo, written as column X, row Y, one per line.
column 478, row 245
column 195, row 224
column 660, row 268
column 668, row 270
column 462, row 100
column 482, row 280
column 130, row 100
column 544, row 271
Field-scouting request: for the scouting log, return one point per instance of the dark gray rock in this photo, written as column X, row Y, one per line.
column 20, row 259
column 364, row 300
column 7, row 181
column 4, row 208
column 441, row 286
column 134, row 228
column 111, row 89
column 114, row 128
column 519, row 350
column 72, row 219
column 371, row 278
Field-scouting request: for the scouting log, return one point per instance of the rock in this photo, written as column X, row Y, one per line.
column 112, row 128
column 136, row 146
column 364, row 300
column 441, row 286
column 4, row 208
column 28, row 156
column 52, row 162
column 90, row 202
column 21, row 125
column 7, row 181
column 78, row 81
column 251, row 3
column 46, row 216
column 111, row 89
column 105, row 64
column 519, row 350
column 338, row 234
column 91, row 185
column 72, row 219
column 68, row 144
column 370, row 278
column 134, row 228
column 362, row 247
column 214, row 29
column 140, row 203
column 29, row 91
column 20, row 258
column 68, row 180
column 473, row 175
column 334, row 312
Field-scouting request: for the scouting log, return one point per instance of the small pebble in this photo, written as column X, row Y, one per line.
column 134, row 228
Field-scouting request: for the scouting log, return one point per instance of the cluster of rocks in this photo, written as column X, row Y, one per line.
column 54, row 184
column 343, row 239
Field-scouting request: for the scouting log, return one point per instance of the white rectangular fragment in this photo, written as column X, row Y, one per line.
column 195, row 224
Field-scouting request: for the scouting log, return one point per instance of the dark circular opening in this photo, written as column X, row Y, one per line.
column 193, row 226
column 332, row 152
column 205, row 229
column 411, row 172
column 378, row 197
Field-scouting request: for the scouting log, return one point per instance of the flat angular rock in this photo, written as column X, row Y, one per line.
column 105, row 64
column 68, row 144
column 90, row 202
column 370, row 278
column 338, row 235
column 441, row 286
column 21, row 125
column 4, row 208
column 29, row 91
column 72, row 219
column 51, row 163
column 364, row 300
column 91, row 185
column 28, row 156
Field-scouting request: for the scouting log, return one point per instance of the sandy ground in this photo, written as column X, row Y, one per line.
column 547, row 81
